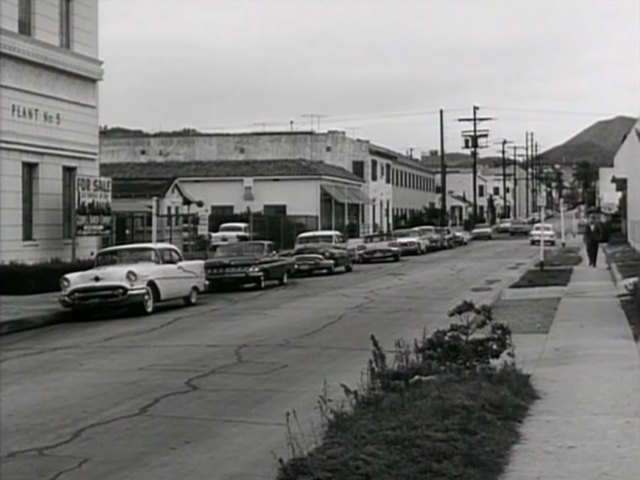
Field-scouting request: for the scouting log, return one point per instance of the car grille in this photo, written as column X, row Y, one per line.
column 98, row 293
column 223, row 270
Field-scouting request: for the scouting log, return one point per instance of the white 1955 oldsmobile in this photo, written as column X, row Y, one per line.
column 139, row 275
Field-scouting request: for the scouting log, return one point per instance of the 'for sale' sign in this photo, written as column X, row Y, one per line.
column 93, row 206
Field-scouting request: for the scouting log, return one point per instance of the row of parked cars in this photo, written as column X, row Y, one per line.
column 536, row 231
column 141, row 275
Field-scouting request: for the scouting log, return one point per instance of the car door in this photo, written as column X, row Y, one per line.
column 169, row 276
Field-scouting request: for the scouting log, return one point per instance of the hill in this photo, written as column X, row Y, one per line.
column 596, row 144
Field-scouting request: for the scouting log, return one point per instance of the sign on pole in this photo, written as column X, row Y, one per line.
column 203, row 222
column 93, row 206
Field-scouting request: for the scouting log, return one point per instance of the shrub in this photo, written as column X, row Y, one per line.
column 22, row 279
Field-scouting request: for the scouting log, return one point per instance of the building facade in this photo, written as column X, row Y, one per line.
column 626, row 176
column 49, row 74
column 313, row 194
column 375, row 165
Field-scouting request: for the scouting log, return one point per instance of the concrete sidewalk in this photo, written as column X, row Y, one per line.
column 24, row 312
column 586, row 424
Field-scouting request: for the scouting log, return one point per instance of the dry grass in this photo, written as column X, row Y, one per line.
column 556, row 277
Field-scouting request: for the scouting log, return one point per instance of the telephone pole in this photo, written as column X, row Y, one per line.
column 515, row 179
column 443, row 174
column 471, row 142
column 312, row 117
column 504, row 177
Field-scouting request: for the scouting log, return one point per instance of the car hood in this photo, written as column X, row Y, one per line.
column 233, row 261
column 110, row 273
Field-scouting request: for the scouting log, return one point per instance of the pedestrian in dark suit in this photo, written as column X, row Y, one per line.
column 592, row 236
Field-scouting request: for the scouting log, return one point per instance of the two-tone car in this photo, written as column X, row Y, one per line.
column 310, row 258
column 542, row 233
column 436, row 241
column 411, row 241
column 482, row 232
column 380, row 246
column 137, row 275
column 248, row 263
column 230, row 233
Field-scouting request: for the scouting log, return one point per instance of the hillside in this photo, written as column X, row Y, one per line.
column 596, row 144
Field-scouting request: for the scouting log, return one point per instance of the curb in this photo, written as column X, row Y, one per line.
column 29, row 323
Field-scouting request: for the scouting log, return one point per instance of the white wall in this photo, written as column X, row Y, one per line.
column 627, row 164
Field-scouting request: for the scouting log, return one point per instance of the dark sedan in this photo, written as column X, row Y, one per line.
column 311, row 258
column 248, row 263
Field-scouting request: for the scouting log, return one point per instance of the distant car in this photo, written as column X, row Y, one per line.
column 519, row 227
column 542, row 233
column 138, row 275
column 462, row 237
column 314, row 257
column 482, row 232
column 410, row 242
column 380, row 246
column 448, row 238
column 504, row 226
column 230, row 233
column 436, row 241
column 248, row 263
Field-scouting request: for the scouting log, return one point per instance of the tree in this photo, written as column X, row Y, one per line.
column 491, row 210
column 586, row 175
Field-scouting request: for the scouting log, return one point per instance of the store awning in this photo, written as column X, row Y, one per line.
column 346, row 194
column 124, row 205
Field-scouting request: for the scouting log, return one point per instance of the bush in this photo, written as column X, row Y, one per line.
column 22, row 279
column 443, row 410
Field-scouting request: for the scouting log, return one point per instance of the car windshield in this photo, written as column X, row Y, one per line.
column 125, row 256
column 406, row 233
column 315, row 239
column 377, row 238
column 231, row 228
column 547, row 228
column 240, row 250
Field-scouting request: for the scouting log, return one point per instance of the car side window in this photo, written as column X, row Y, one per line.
column 177, row 258
column 166, row 256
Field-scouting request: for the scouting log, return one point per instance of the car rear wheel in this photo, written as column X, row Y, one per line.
column 348, row 268
column 284, row 279
column 192, row 298
column 331, row 270
column 148, row 304
column 396, row 258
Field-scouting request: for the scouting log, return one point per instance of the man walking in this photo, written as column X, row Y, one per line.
column 592, row 236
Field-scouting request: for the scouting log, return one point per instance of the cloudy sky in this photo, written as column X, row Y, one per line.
column 379, row 69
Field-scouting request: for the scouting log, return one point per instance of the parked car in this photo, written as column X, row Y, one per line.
column 410, row 242
column 380, row 246
column 482, row 232
column 436, row 241
column 462, row 237
column 542, row 233
column 355, row 246
column 138, row 275
column 519, row 227
column 504, row 226
column 327, row 237
column 248, row 263
column 448, row 238
column 314, row 257
column 417, row 235
column 230, row 233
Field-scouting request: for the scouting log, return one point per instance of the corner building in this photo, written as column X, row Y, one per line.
column 49, row 74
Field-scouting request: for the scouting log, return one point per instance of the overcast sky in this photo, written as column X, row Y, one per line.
column 377, row 69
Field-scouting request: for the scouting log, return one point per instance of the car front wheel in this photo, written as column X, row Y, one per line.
column 192, row 298
column 284, row 279
column 148, row 304
column 261, row 283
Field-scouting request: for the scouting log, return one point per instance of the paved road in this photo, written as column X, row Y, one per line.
column 201, row 392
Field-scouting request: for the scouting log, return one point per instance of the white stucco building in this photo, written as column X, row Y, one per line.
column 626, row 174
column 49, row 74
column 377, row 166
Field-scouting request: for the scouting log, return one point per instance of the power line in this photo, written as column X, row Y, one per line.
column 552, row 112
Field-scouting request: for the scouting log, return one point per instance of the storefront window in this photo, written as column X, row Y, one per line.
column 65, row 23
column 29, row 175
column 68, row 197
column 24, row 17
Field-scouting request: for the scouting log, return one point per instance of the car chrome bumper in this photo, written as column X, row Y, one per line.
column 94, row 299
column 234, row 277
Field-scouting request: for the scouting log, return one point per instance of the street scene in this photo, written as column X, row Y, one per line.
column 284, row 240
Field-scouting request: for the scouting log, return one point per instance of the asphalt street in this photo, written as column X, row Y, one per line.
column 202, row 392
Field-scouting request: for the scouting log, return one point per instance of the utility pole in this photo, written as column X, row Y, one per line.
column 471, row 141
column 312, row 117
column 526, row 172
column 534, row 187
column 504, row 177
column 515, row 180
column 443, row 174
